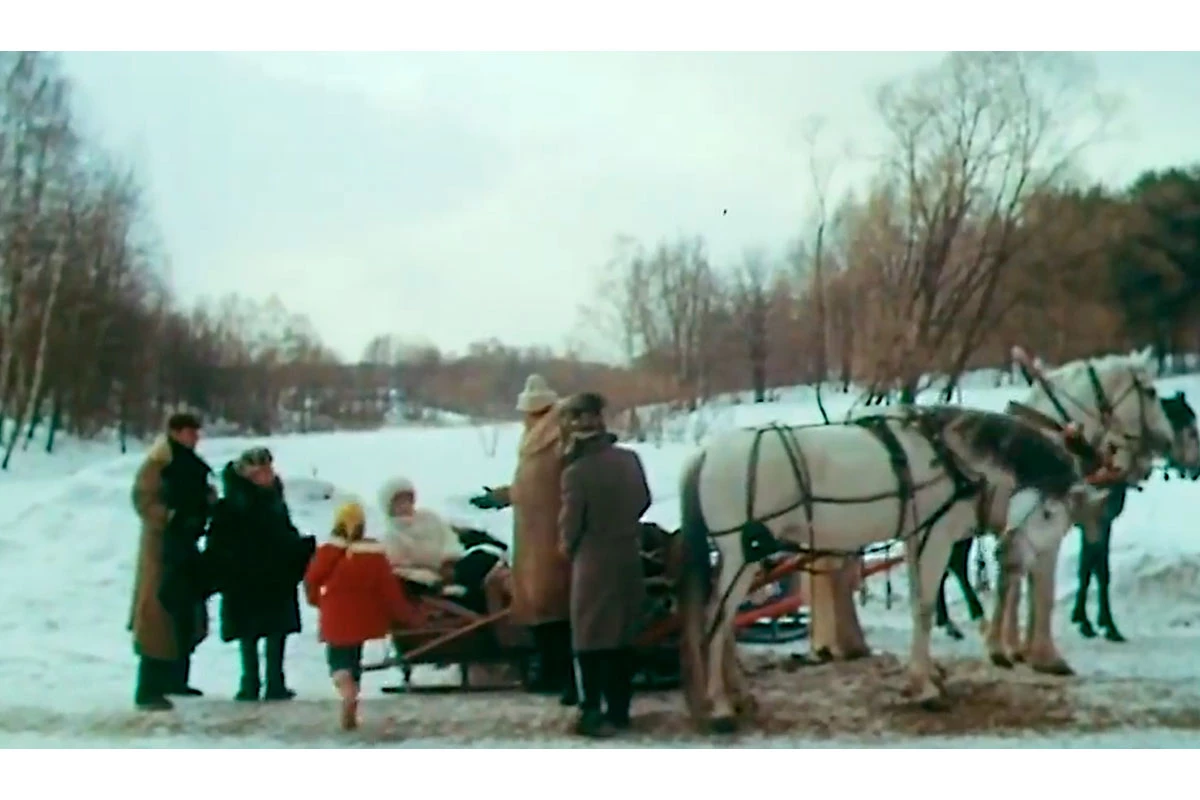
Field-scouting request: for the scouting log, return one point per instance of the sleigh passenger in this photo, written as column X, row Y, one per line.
column 420, row 545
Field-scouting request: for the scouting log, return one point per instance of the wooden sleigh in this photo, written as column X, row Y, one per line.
column 460, row 636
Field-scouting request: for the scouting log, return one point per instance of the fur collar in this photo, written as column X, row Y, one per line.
column 543, row 434
column 361, row 546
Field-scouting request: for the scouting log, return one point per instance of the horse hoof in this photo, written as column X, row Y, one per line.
column 1018, row 658
column 823, row 656
column 1113, row 635
column 1060, row 668
column 934, row 704
column 1086, row 630
column 724, row 725
column 855, row 655
column 1001, row 660
column 954, row 633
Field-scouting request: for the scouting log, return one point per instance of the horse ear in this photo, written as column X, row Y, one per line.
column 1146, row 355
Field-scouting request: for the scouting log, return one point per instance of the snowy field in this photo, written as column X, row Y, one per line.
column 68, row 538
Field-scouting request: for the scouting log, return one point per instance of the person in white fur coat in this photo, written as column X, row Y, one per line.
column 419, row 544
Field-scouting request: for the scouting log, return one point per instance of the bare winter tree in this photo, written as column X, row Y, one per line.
column 971, row 141
column 750, row 306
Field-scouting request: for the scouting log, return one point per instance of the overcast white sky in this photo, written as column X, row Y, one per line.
column 455, row 197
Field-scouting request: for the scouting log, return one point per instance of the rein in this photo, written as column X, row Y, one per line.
column 1104, row 416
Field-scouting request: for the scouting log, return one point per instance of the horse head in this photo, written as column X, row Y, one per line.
column 1114, row 402
column 1185, row 452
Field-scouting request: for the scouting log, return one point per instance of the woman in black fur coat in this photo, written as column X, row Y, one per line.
column 258, row 558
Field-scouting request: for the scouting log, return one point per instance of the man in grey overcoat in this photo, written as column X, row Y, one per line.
column 604, row 494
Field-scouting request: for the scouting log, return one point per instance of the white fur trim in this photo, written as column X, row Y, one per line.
column 486, row 548
column 361, row 546
column 391, row 488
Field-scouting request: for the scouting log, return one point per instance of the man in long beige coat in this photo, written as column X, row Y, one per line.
column 541, row 575
column 172, row 497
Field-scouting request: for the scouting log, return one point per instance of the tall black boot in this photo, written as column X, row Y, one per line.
column 564, row 660
column 250, row 685
column 150, row 692
column 592, row 668
column 181, row 673
column 276, row 685
column 548, row 678
column 618, row 686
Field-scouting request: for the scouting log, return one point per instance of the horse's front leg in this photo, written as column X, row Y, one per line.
column 1087, row 568
column 925, row 571
column 1043, row 655
column 1103, row 578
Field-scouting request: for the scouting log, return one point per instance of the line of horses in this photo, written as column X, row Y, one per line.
column 933, row 478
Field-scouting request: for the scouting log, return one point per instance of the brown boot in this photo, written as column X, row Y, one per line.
column 347, row 688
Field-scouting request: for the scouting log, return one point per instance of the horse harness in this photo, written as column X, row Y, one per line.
column 1092, row 452
column 756, row 538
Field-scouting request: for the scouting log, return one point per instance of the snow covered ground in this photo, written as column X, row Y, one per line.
column 68, row 539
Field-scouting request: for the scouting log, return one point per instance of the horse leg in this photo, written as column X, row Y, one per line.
column 1007, row 593
column 744, row 703
column 1087, row 560
column 925, row 571
column 732, row 587
column 1043, row 654
column 851, row 642
column 834, row 633
column 942, row 614
column 1103, row 576
column 960, row 564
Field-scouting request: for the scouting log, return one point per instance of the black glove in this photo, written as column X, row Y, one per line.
column 486, row 501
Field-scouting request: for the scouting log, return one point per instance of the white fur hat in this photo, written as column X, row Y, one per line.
column 391, row 488
column 536, row 396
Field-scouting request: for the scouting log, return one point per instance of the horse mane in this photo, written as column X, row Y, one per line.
column 1035, row 459
column 1105, row 366
column 1179, row 412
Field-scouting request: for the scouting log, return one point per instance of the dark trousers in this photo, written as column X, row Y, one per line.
column 606, row 679
column 185, row 638
column 347, row 658
column 553, row 642
column 157, row 678
column 274, row 652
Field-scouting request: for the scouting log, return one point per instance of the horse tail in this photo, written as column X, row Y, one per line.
column 696, row 564
column 693, row 588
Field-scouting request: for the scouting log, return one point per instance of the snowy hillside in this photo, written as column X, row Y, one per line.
column 68, row 538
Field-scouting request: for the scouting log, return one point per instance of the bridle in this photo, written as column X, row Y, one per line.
column 1146, row 443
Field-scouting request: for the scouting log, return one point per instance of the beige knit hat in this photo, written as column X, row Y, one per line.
column 536, row 396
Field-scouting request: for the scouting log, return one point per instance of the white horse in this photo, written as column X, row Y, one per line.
column 1113, row 402
column 928, row 476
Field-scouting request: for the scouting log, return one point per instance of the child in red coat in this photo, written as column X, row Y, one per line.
column 350, row 581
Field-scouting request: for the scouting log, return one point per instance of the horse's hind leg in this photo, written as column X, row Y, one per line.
column 735, row 681
column 1008, row 594
column 732, row 588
